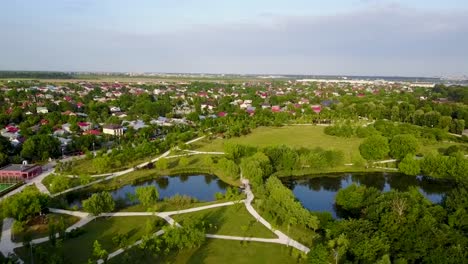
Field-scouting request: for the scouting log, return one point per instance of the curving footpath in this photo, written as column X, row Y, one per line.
column 7, row 246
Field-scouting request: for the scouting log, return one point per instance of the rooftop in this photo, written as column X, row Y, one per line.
column 18, row 167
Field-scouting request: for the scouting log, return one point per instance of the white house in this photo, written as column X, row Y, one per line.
column 42, row 110
column 114, row 130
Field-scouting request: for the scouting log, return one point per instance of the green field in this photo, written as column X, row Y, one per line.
column 233, row 220
column 4, row 186
column 294, row 136
column 308, row 137
column 79, row 249
column 216, row 251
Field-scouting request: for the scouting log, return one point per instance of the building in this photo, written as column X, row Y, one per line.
column 42, row 110
column 19, row 172
column 114, row 130
column 84, row 126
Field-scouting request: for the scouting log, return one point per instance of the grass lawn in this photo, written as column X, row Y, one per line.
column 85, row 166
column 4, row 186
column 294, row 136
column 39, row 226
column 232, row 220
column 215, row 251
column 79, row 249
column 439, row 146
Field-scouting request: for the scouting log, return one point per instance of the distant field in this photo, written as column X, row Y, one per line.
column 294, row 136
column 308, row 137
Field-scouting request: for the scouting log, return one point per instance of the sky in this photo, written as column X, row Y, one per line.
column 347, row 37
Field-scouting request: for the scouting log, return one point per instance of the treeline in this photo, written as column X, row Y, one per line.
column 394, row 227
column 257, row 164
column 389, row 129
column 36, row 75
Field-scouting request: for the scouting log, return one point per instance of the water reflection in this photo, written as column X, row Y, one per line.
column 318, row 193
column 201, row 187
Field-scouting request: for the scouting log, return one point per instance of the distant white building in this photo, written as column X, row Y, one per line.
column 114, row 130
column 42, row 110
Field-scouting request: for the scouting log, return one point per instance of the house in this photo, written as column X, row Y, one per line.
column 84, row 126
column 120, row 114
column 316, row 108
column 19, row 172
column 93, row 132
column 137, row 125
column 114, row 130
column 115, row 109
column 42, row 110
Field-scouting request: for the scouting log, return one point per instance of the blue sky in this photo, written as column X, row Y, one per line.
column 359, row 37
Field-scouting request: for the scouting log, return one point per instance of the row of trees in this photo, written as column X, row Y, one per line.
column 377, row 147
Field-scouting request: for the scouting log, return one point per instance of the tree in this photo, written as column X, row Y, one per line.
column 147, row 195
column 99, row 203
column 351, row 198
column 3, row 159
column 25, row 204
column 41, row 147
column 409, row 165
column 99, row 252
column 318, row 254
column 374, row 148
column 339, row 246
column 402, row 145
column 52, row 234
column 59, row 183
column 162, row 164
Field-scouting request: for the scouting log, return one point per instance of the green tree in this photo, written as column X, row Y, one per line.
column 52, row 234
column 59, row 183
column 25, row 204
column 402, row 145
column 374, row 148
column 352, row 198
column 147, row 195
column 409, row 165
column 318, row 254
column 41, row 147
column 338, row 246
column 99, row 252
column 99, row 203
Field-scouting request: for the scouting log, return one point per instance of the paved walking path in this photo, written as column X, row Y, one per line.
column 7, row 245
column 282, row 238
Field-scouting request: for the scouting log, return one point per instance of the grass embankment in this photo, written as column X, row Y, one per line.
column 39, row 226
column 233, row 220
column 214, row 251
column 79, row 249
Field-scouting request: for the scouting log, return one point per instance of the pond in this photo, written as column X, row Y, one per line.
column 201, row 187
column 318, row 193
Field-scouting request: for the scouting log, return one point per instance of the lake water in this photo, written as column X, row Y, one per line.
column 201, row 187
column 318, row 193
